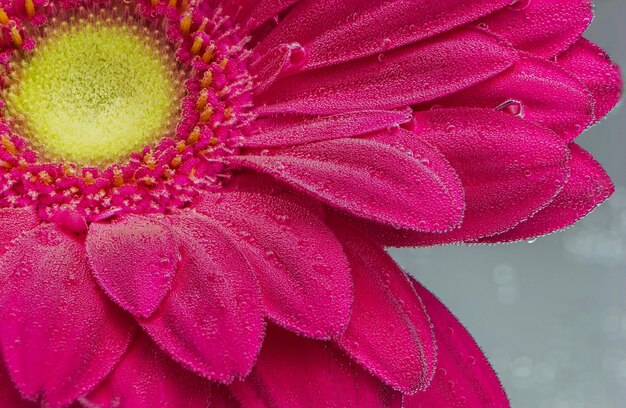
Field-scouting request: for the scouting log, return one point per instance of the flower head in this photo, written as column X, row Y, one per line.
column 195, row 195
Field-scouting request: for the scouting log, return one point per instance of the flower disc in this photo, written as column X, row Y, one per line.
column 94, row 92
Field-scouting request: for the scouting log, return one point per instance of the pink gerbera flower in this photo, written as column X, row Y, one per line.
column 196, row 194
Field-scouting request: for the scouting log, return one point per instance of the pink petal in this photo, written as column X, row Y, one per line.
column 146, row 377
column 134, row 259
column 60, row 335
column 543, row 27
column 296, row 372
column 294, row 130
column 389, row 331
column 336, row 32
column 410, row 143
column 365, row 178
column 443, row 65
column 596, row 70
column 510, row 169
column 302, row 270
column 9, row 395
column 464, row 377
column 537, row 90
column 211, row 321
column 13, row 223
column 587, row 187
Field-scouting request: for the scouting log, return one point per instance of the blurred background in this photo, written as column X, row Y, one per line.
column 551, row 314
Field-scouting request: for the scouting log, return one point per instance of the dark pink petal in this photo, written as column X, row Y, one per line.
column 268, row 68
column 464, row 377
column 537, row 90
column 211, row 321
column 389, row 331
column 294, row 130
column 146, row 377
column 543, row 27
column 596, row 70
column 365, row 178
column 134, row 259
column 334, row 32
column 587, row 187
column 9, row 395
column 510, row 169
column 302, row 270
column 252, row 13
column 296, row 372
column 13, row 223
column 443, row 65
column 60, row 334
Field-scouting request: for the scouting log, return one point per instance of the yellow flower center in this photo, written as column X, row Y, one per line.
column 94, row 91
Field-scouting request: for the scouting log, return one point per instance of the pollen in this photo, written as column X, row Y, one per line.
column 94, row 91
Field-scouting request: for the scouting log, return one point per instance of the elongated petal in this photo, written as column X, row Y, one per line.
column 543, row 27
column 147, row 377
column 60, row 334
column 13, row 223
column 295, row 130
column 365, row 178
column 464, row 377
column 336, row 32
column 302, row 270
column 536, row 89
column 389, row 331
column 510, row 169
column 211, row 321
column 596, row 70
column 443, row 66
column 295, row 372
column 134, row 259
column 587, row 187
column 411, row 144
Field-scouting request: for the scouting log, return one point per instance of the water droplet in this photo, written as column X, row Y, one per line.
column 394, row 128
column 298, row 54
column 520, row 4
column 512, row 107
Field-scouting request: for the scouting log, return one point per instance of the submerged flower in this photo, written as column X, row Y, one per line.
column 195, row 194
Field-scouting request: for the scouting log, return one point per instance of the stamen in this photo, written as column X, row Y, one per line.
column 202, row 100
column 185, row 23
column 4, row 18
column 8, row 145
column 16, row 37
column 207, row 79
column 207, row 114
column 29, row 6
column 197, row 44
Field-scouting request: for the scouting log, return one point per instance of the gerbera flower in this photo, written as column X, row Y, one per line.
column 195, row 194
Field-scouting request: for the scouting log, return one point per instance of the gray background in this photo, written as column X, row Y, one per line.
column 551, row 315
